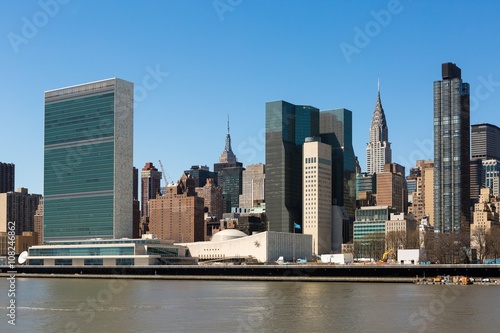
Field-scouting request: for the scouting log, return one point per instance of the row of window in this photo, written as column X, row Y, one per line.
column 86, row 262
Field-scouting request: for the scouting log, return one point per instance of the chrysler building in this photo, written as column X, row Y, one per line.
column 378, row 150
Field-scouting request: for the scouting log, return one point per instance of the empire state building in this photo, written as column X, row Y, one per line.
column 378, row 150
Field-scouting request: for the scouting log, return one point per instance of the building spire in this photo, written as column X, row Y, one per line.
column 378, row 149
column 227, row 155
column 228, row 138
column 378, row 83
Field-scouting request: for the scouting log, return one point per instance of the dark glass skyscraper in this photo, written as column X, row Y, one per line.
column 7, row 177
column 201, row 173
column 336, row 130
column 451, row 152
column 88, row 181
column 287, row 127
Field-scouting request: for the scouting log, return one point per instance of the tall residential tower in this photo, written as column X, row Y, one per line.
column 451, row 152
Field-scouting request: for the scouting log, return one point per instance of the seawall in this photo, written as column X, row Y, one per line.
column 332, row 273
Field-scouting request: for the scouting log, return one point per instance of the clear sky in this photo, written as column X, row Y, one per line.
column 194, row 63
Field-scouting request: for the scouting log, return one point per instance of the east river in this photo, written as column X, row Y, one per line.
column 116, row 305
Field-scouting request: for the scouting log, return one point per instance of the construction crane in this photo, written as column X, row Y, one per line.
column 165, row 174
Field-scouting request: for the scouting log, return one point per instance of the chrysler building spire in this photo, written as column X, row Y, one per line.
column 378, row 150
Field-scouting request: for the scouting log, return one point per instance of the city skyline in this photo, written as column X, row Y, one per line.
column 194, row 74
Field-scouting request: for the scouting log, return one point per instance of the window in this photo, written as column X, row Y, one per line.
column 125, row 261
column 37, row 262
column 64, row 262
column 92, row 262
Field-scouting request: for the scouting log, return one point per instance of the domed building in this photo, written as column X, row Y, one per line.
column 227, row 234
column 265, row 247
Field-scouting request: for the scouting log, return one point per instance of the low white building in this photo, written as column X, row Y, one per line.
column 339, row 259
column 265, row 247
column 410, row 256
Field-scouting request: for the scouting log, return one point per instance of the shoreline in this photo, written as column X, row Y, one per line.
column 220, row 278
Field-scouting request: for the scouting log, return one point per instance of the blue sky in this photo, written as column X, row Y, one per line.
column 194, row 63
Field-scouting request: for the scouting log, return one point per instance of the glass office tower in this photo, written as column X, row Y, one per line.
column 451, row 152
column 287, row 127
column 336, row 130
column 88, row 180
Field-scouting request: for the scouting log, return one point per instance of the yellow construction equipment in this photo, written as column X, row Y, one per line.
column 385, row 256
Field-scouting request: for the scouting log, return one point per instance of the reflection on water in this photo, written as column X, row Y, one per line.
column 84, row 305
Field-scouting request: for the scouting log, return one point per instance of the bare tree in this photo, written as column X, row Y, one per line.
column 479, row 241
column 396, row 240
column 447, row 248
column 493, row 244
column 412, row 239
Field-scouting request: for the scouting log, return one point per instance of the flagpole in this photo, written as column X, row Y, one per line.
column 293, row 242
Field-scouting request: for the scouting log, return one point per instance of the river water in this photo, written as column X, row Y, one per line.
column 100, row 305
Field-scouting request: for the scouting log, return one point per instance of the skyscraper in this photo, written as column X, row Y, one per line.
column 7, row 177
column 287, row 126
column 378, row 150
column 150, row 186
column 252, row 194
column 317, row 193
column 485, row 142
column 201, row 174
column 229, row 174
column 485, row 159
column 451, row 152
column 336, row 130
column 88, row 181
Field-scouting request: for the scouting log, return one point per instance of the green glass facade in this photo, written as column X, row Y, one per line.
column 369, row 231
column 336, row 130
column 287, row 126
column 82, row 251
column 88, row 148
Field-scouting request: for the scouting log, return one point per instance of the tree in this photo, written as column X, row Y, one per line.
column 450, row 248
column 493, row 243
column 396, row 239
column 479, row 241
